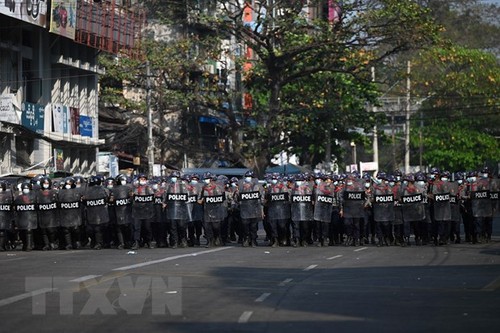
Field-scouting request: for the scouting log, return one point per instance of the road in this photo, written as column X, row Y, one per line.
column 453, row 288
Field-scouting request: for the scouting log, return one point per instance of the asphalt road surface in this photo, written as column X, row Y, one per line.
column 453, row 288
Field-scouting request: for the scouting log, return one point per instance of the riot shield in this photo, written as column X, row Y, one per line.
column 26, row 213
column 278, row 203
column 413, row 205
column 96, row 202
column 441, row 202
column 47, row 209
column 70, row 208
column 324, row 200
column 383, row 204
column 249, row 198
column 494, row 194
column 176, row 198
column 481, row 203
column 302, row 203
column 143, row 203
column 353, row 198
column 123, row 204
column 214, row 198
column 194, row 209
column 454, row 202
column 6, row 210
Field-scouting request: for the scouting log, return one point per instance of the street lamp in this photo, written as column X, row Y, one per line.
column 353, row 150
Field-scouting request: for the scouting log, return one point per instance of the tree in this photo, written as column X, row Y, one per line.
column 305, row 67
column 461, row 115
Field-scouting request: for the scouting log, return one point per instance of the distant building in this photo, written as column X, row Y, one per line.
column 49, row 80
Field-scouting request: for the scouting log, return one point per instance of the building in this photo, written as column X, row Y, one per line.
column 49, row 80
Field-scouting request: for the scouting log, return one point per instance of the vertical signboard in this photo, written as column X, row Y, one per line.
column 63, row 18
column 75, row 121
column 7, row 112
column 85, row 126
column 33, row 117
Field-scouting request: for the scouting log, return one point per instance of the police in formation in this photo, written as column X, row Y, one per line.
column 321, row 209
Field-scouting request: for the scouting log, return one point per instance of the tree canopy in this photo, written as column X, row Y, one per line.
column 308, row 75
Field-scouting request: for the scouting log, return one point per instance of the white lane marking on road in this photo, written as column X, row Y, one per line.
column 262, row 297
column 284, row 282
column 85, row 278
column 14, row 259
column 69, row 252
column 152, row 262
column 335, row 257
column 308, row 268
column 245, row 316
column 17, row 298
column 493, row 285
column 360, row 249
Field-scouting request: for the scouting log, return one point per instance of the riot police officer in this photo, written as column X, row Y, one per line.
column 250, row 199
column 121, row 199
column 47, row 214
column 159, row 221
column 481, row 206
column 6, row 213
column 142, row 212
column 212, row 197
column 413, row 207
column 352, row 208
column 26, row 215
column 302, row 211
column 277, row 200
column 195, row 210
column 96, row 201
column 382, row 199
column 324, row 198
column 440, row 198
column 70, row 210
column 176, row 209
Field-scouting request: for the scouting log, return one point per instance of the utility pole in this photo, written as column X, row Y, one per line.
column 407, row 127
column 375, row 135
column 151, row 149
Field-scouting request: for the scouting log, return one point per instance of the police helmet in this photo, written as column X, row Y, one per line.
column 176, row 174
column 420, row 177
column 3, row 185
column 382, row 175
column 435, row 171
column 446, row 174
column 250, row 173
column 95, row 181
column 69, row 181
column 409, row 177
column 45, row 182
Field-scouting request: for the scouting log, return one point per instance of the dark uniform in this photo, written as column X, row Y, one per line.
column 250, row 199
column 142, row 213
column 6, row 213
column 96, row 201
column 277, row 201
column 213, row 198
column 176, row 209
column 70, row 210
column 26, row 215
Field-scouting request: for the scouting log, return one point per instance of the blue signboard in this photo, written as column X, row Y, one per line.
column 85, row 126
column 33, row 117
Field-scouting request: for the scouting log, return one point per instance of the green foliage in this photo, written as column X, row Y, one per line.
column 456, row 146
column 308, row 77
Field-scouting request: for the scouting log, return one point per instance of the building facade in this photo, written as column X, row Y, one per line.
column 49, row 80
